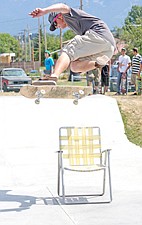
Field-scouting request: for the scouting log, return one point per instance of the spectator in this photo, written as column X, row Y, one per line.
column 124, row 63
column 49, row 63
column 136, row 62
column 140, row 79
column 96, row 81
column 89, row 77
column 93, row 79
column 105, row 78
column 140, row 71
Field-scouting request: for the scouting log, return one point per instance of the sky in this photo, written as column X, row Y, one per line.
column 14, row 17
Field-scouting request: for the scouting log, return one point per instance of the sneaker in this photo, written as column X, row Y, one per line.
column 135, row 93
column 52, row 77
column 102, row 60
column 118, row 93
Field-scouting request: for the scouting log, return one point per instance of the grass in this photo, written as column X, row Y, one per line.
column 69, row 83
column 133, row 126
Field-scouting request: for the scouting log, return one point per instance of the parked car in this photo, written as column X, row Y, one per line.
column 115, row 64
column 12, row 79
column 113, row 79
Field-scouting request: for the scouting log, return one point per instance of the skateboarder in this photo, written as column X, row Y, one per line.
column 93, row 45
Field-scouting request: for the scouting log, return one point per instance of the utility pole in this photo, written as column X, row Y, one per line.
column 25, row 44
column 81, row 4
column 44, row 29
column 39, row 41
column 29, row 42
column 20, row 52
column 32, row 51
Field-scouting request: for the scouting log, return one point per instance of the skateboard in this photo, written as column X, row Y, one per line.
column 139, row 86
column 49, row 89
column 124, row 84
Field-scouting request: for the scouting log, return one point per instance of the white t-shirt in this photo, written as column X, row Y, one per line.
column 123, row 62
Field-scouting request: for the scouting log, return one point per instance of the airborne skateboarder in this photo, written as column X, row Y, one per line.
column 93, row 45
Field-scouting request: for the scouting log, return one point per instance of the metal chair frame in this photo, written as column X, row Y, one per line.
column 80, row 147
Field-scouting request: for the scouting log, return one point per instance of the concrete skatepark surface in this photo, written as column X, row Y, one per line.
column 28, row 163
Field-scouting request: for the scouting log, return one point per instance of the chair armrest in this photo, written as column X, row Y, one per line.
column 106, row 150
column 106, row 156
column 59, row 151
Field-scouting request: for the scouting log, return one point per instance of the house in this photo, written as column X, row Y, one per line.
column 7, row 57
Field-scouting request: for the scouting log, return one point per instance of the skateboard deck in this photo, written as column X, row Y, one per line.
column 55, row 91
column 44, row 82
column 124, row 84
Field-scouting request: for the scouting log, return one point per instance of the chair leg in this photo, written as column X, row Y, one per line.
column 104, row 182
column 59, row 171
column 58, row 182
column 109, row 175
column 63, row 188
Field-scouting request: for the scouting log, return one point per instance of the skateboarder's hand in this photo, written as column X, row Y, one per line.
column 37, row 12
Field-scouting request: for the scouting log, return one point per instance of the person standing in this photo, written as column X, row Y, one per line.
column 49, row 63
column 93, row 78
column 105, row 78
column 136, row 62
column 124, row 63
column 140, row 71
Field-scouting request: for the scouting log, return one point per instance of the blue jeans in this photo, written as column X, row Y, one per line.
column 119, row 82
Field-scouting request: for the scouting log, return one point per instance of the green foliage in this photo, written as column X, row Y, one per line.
column 55, row 55
column 69, row 34
column 8, row 44
column 134, row 16
column 131, row 32
column 53, row 42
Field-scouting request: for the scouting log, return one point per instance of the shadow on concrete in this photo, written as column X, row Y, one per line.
column 25, row 201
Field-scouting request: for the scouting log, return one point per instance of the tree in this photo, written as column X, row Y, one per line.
column 8, row 44
column 132, row 30
column 69, row 34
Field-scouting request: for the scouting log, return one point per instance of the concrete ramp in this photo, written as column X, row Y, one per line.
column 28, row 163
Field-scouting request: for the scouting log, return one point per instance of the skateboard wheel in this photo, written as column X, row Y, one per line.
column 81, row 92
column 42, row 92
column 37, row 93
column 37, row 101
column 75, row 102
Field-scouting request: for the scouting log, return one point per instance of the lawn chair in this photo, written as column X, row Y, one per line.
column 80, row 151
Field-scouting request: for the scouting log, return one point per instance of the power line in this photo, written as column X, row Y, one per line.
column 10, row 21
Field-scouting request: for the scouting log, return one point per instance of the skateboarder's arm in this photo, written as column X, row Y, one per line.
column 60, row 7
